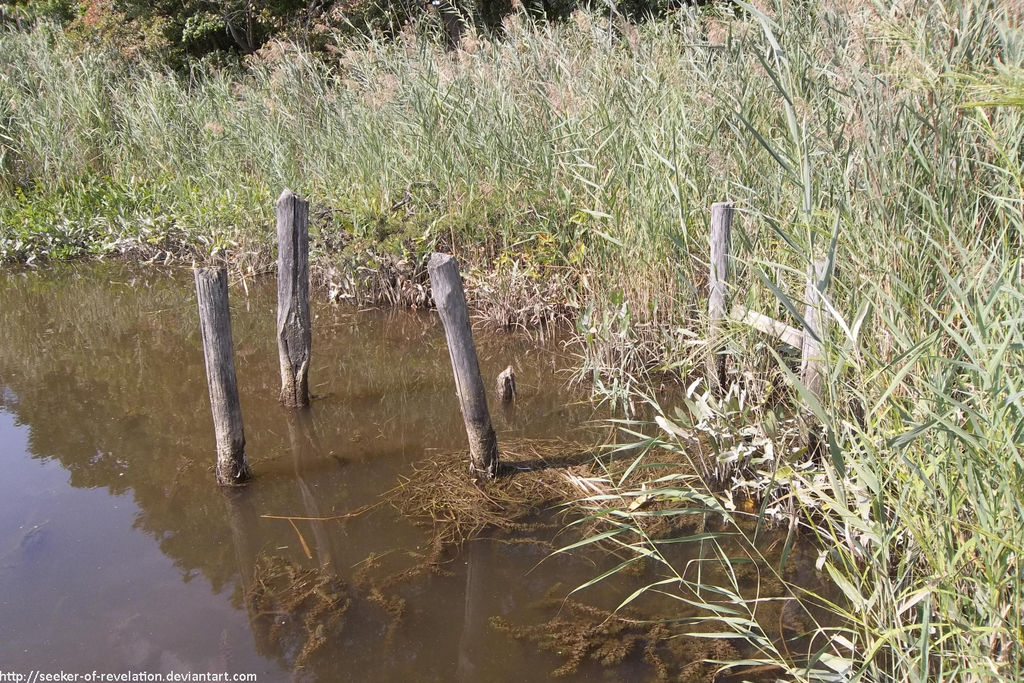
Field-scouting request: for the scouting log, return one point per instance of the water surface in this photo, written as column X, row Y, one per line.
column 118, row 552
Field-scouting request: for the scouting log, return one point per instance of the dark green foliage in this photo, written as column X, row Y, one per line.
column 180, row 31
column 23, row 13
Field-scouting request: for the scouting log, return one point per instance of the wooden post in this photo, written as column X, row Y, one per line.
column 718, row 282
column 215, row 324
column 293, row 326
column 446, row 285
column 812, row 356
column 506, row 388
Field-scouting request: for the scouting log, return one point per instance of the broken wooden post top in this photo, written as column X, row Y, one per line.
column 438, row 260
column 446, row 284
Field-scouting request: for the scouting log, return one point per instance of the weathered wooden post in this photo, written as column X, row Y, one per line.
column 718, row 283
column 293, row 325
column 446, row 285
column 215, row 324
column 812, row 355
column 506, row 388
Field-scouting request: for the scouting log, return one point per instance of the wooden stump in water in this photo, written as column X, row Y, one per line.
column 293, row 324
column 446, row 285
column 506, row 385
column 215, row 325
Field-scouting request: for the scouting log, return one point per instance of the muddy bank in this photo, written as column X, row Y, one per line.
column 525, row 289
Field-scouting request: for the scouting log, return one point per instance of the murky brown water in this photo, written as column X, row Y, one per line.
column 118, row 552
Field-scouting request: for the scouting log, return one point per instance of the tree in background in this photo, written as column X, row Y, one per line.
column 178, row 31
column 22, row 13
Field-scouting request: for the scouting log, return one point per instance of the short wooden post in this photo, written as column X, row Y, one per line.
column 293, row 325
column 446, row 285
column 718, row 283
column 812, row 356
column 215, row 324
column 506, row 387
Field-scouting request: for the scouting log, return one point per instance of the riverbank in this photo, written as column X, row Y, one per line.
column 571, row 169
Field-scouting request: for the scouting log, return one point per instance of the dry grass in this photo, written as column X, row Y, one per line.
column 534, row 476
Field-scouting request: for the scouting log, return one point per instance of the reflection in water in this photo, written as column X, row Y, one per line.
column 118, row 551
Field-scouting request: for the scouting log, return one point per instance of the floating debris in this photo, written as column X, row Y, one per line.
column 533, row 475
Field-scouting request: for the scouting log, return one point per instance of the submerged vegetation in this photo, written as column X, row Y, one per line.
column 580, row 632
column 570, row 166
column 295, row 610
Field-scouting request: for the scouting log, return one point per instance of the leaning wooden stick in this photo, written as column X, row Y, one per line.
column 446, row 285
column 770, row 326
column 215, row 325
column 293, row 324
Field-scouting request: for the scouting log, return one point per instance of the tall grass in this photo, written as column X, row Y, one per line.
column 572, row 168
column 919, row 506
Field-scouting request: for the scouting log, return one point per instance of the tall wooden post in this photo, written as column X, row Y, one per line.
column 812, row 356
column 718, row 282
column 293, row 324
column 446, row 285
column 215, row 324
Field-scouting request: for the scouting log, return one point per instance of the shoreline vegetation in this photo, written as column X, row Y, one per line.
column 571, row 166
